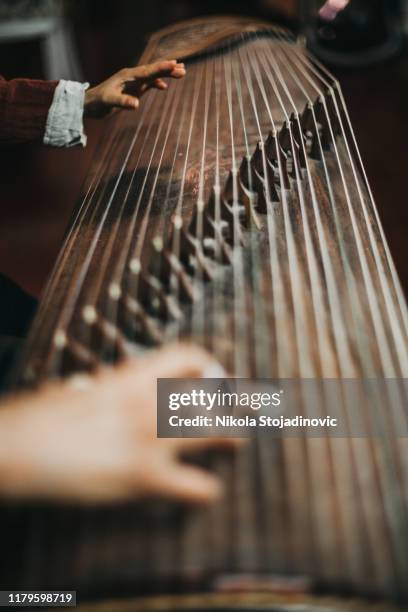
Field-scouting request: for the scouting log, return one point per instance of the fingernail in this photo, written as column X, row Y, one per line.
column 214, row 370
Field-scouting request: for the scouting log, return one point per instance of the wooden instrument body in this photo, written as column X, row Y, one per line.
column 323, row 258
column 233, row 212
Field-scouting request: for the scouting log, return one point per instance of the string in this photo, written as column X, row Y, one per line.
column 276, row 275
column 119, row 268
column 172, row 101
column 37, row 522
column 246, row 553
column 195, row 549
column 218, row 314
column 261, row 339
column 198, row 314
column 397, row 514
column 162, row 233
column 343, row 469
column 382, row 342
column 60, row 339
column 274, row 261
column 397, row 285
column 219, row 513
column 67, row 252
column 124, row 255
column 347, row 367
column 357, row 310
column 330, row 563
column 117, row 279
column 357, row 335
column 174, row 288
column 303, row 343
column 141, row 238
column 239, row 317
column 396, row 510
column 280, row 307
column 400, row 523
column 72, row 234
column 77, row 281
column 259, row 455
column 316, row 289
column 96, row 290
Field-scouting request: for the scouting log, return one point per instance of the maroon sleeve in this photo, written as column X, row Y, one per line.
column 24, row 106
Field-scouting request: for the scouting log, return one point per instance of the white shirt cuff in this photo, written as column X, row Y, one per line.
column 65, row 127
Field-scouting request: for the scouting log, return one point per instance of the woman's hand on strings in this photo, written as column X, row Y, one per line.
column 125, row 88
column 93, row 439
column 330, row 9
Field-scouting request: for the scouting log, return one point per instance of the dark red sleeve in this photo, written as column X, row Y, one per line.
column 24, row 106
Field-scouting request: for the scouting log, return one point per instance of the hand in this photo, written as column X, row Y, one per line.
column 96, row 442
column 330, row 9
column 125, row 88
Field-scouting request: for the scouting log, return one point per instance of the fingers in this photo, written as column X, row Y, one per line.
column 164, row 69
column 124, row 101
column 136, row 81
column 160, row 84
column 191, row 445
column 330, row 9
column 178, row 72
column 169, row 68
column 189, row 484
column 157, row 84
column 177, row 361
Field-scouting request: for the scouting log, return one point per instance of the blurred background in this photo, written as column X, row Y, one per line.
column 90, row 39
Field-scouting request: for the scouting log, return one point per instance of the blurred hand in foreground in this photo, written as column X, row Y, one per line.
column 93, row 439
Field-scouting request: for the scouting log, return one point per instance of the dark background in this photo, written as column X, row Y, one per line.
column 39, row 186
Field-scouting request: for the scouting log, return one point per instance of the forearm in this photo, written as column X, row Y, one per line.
column 24, row 106
column 48, row 112
column 53, row 112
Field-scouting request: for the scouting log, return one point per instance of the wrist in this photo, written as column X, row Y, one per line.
column 89, row 102
column 94, row 105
